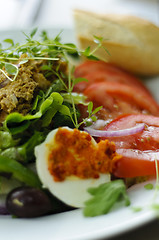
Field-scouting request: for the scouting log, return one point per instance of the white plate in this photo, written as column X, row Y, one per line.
column 72, row 225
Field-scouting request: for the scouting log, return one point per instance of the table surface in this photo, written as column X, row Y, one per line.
column 58, row 14
column 149, row 231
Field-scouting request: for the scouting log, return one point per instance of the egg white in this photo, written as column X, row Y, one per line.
column 73, row 190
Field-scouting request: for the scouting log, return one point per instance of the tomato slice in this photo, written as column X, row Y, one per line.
column 120, row 98
column 98, row 71
column 126, row 99
column 145, row 140
column 130, row 120
column 107, row 75
column 91, row 66
column 135, row 163
column 139, row 151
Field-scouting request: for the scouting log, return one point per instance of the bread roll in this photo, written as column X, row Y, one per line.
column 133, row 43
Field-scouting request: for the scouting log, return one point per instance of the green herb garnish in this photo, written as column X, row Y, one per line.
column 104, row 198
column 136, row 209
column 148, row 186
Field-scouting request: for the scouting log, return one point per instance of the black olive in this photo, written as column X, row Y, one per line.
column 28, row 202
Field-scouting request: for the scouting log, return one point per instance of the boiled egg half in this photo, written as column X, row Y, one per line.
column 63, row 163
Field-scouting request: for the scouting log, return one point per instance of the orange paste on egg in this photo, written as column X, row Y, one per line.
column 74, row 154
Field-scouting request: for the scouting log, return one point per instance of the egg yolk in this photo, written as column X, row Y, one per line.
column 73, row 153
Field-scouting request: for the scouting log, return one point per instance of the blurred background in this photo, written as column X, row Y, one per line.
column 22, row 14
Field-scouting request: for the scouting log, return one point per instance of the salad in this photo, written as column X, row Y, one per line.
column 73, row 134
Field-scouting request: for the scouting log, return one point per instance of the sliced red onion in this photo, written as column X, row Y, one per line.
column 115, row 133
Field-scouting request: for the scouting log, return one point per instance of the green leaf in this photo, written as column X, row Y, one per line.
column 96, row 110
column 19, row 172
column 56, row 86
column 39, row 98
column 94, row 119
column 104, row 198
column 92, row 57
column 26, row 151
column 57, row 38
column 70, row 45
column 46, row 67
column 78, row 98
column 33, row 32
column 1, row 65
column 12, row 153
column 106, row 50
column 47, row 118
column 98, row 39
column 17, row 123
column 136, row 209
column 64, row 110
column 53, row 108
column 44, row 35
column 80, row 79
column 155, row 207
column 87, row 52
column 10, row 41
column 148, row 186
column 11, row 68
column 90, row 107
column 23, row 61
column 6, row 140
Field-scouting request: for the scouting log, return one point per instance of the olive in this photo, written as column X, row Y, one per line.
column 28, row 202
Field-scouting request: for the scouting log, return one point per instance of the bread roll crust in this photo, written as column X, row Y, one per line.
column 133, row 43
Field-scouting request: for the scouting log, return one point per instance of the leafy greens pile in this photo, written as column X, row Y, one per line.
column 19, row 134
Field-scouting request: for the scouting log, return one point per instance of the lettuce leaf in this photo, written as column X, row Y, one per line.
column 6, row 140
column 17, row 123
column 25, row 152
column 19, row 172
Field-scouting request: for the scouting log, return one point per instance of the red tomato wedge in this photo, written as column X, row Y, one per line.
column 98, row 71
column 135, row 163
column 91, row 66
column 139, row 151
column 145, row 140
column 106, row 75
column 126, row 100
column 120, row 98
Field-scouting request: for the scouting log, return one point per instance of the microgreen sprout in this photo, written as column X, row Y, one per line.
column 148, row 186
column 157, row 178
column 91, row 115
column 155, row 205
column 49, row 50
column 136, row 209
